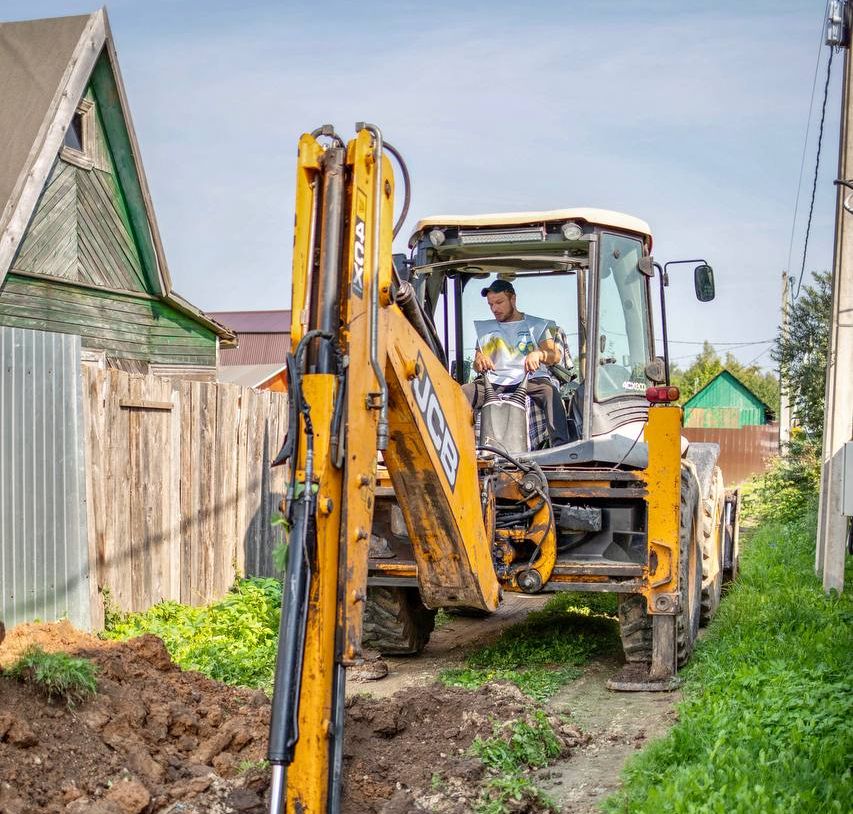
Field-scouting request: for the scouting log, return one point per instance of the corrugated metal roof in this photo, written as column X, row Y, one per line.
column 257, row 349
column 44, row 552
column 249, row 375
column 258, row 322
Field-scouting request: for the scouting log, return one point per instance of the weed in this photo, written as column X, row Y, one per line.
column 248, row 766
column 512, row 750
column 442, row 618
column 233, row 640
column 545, row 651
column 57, row 675
column 502, row 795
column 766, row 721
column 436, row 782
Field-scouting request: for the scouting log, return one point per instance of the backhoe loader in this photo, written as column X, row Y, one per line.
column 403, row 500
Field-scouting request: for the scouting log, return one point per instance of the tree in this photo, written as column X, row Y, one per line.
column 802, row 353
column 708, row 364
column 703, row 368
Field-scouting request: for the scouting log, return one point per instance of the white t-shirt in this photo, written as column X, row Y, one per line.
column 507, row 343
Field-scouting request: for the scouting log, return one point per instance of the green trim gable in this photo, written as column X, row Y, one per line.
column 130, row 197
column 725, row 402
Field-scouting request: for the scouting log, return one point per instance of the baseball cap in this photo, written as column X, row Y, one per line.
column 498, row 287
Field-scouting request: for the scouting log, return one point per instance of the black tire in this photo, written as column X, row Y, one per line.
column 712, row 547
column 635, row 623
column 396, row 622
column 635, row 628
column 690, row 568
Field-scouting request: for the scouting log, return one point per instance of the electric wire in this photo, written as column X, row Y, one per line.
column 816, row 168
column 806, row 136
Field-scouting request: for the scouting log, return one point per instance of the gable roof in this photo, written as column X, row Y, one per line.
column 45, row 67
column 735, row 382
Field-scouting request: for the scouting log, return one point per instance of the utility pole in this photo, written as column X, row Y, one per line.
column 838, row 418
column 784, row 404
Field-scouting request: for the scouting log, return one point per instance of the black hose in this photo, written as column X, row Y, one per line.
column 407, row 181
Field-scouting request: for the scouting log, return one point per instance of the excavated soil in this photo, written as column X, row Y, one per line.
column 157, row 739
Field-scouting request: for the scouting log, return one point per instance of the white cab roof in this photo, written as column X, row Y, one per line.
column 602, row 217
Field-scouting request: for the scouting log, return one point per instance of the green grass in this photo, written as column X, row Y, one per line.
column 767, row 720
column 547, row 649
column 510, row 753
column 233, row 640
column 57, row 675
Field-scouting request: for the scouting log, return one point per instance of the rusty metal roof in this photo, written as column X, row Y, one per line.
column 255, row 322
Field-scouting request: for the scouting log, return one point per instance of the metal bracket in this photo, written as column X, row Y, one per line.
column 847, row 203
column 665, row 603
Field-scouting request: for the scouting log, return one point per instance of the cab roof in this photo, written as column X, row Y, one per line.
column 601, row 217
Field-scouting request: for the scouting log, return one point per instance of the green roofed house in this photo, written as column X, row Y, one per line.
column 80, row 251
column 725, row 403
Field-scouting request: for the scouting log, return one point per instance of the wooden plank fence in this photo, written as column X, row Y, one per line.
column 180, row 493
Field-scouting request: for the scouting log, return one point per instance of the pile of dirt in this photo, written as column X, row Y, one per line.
column 410, row 752
column 153, row 739
column 157, row 739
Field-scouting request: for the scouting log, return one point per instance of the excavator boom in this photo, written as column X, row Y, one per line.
column 364, row 378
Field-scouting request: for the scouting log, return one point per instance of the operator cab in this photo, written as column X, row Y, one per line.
column 586, row 270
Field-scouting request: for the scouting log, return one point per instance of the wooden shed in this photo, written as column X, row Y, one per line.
column 726, row 402
column 80, row 250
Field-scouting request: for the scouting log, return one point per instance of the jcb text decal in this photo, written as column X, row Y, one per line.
column 433, row 416
column 358, row 259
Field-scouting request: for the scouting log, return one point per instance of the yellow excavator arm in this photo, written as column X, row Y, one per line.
column 365, row 376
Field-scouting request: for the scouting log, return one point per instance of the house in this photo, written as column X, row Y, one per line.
column 80, row 250
column 263, row 343
column 727, row 403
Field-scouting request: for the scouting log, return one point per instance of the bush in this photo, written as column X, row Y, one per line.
column 234, row 640
column 788, row 491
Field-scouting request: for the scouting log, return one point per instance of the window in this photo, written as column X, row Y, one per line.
column 624, row 341
column 77, row 144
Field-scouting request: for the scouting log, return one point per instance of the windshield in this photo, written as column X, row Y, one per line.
column 550, row 297
column 624, row 345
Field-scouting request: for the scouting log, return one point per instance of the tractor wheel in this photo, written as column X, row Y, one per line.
column 635, row 628
column 635, row 623
column 690, row 569
column 712, row 547
column 396, row 622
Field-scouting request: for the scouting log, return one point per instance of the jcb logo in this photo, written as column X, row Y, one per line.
column 358, row 259
column 439, row 431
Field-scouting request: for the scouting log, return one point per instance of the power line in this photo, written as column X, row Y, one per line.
column 816, row 167
column 806, row 136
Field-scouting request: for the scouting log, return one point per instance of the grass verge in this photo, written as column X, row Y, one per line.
column 547, row 649
column 57, row 675
column 233, row 640
column 767, row 720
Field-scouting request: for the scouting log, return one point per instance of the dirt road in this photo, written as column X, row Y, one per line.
column 616, row 725
column 157, row 739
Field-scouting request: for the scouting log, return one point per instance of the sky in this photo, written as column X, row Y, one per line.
column 692, row 116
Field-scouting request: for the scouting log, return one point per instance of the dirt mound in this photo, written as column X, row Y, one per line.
column 154, row 738
column 410, row 752
column 157, row 739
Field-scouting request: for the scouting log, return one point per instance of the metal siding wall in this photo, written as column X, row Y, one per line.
column 44, row 570
column 743, row 452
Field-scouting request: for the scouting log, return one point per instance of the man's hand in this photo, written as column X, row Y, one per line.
column 482, row 363
column 533, row 360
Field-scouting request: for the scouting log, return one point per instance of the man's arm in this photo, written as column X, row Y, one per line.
column 546, row 354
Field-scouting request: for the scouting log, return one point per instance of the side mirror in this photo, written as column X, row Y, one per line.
column 703, row 282
column 655, row 370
